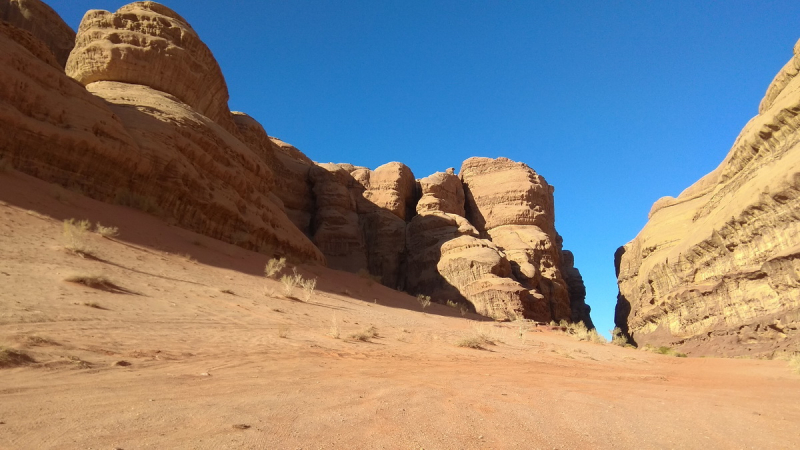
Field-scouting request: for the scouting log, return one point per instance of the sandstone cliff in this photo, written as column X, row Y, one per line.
column 138, row 115
column 165, row 147
column 716, row 269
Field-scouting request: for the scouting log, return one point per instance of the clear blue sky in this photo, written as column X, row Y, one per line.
column 615, row 103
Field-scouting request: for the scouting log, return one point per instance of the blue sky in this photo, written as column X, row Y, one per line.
column 615, row 103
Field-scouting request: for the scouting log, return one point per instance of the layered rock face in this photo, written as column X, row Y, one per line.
column 138, row 115
column 149, row 44
column 42, row 22
column 121, row 139
column 716, row 269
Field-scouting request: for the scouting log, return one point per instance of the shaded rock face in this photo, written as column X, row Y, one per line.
column 43, row 23
column 716, row 269
column 139, row 117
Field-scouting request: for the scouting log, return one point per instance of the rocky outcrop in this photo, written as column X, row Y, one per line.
column 143, row 121
column 148, row 44
column 43, row 23
column 135, row 145
column 580, row 311
column 716, row 269
column 509, row 203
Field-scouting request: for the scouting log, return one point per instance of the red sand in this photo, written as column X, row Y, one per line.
column 210, row 369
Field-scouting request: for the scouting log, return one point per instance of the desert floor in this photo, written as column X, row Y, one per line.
column 193, row 347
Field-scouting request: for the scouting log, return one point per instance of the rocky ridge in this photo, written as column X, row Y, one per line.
column 716, row 269
column 138, row 115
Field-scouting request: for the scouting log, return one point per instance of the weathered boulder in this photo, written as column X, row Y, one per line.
column 441, row 192
column 390, row 187
column 42, row 22
column 148, row 44
column 716, row 269
column 512, row 205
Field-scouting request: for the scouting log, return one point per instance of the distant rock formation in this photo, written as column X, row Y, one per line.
column 138, row 115
column 718, row 268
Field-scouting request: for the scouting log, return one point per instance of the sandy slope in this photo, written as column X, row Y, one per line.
column 203, row 361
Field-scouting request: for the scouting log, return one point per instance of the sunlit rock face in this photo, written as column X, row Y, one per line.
column 149, row 44
column 717, row 269
column 162, row 144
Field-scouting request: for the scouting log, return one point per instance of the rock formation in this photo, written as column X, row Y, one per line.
column 138, row 115
column 136, row 144
column 716, row 269
column 43, row 23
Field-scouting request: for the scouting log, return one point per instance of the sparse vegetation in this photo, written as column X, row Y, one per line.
column 13, row 358
column 664, row 350
column 274, row 267
column 92, row 305
column 618, row 338
column 308, row 288
column 365, row 335
column 335, row 331
column 579, row 331
column 424, row 301
column 290, row 281
column 452, row 304
column 75, row 237
column 470, row 342
column 463, row 309
column 93, row 281
column 106, row 232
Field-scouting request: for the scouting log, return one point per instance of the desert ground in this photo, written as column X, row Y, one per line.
column 189, row 345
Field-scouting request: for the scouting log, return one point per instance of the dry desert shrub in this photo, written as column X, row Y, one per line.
column 424, row 301
column 664, row 350
column 618, row 338
column 579, row 331
column 13, row 358
column 335, row 332
column 92, row 281
column 470, row 342
column 106, row 232
column 366, row 334
column 274, row 266
column 290, row 281
column 75, row 236
column 308, row 288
